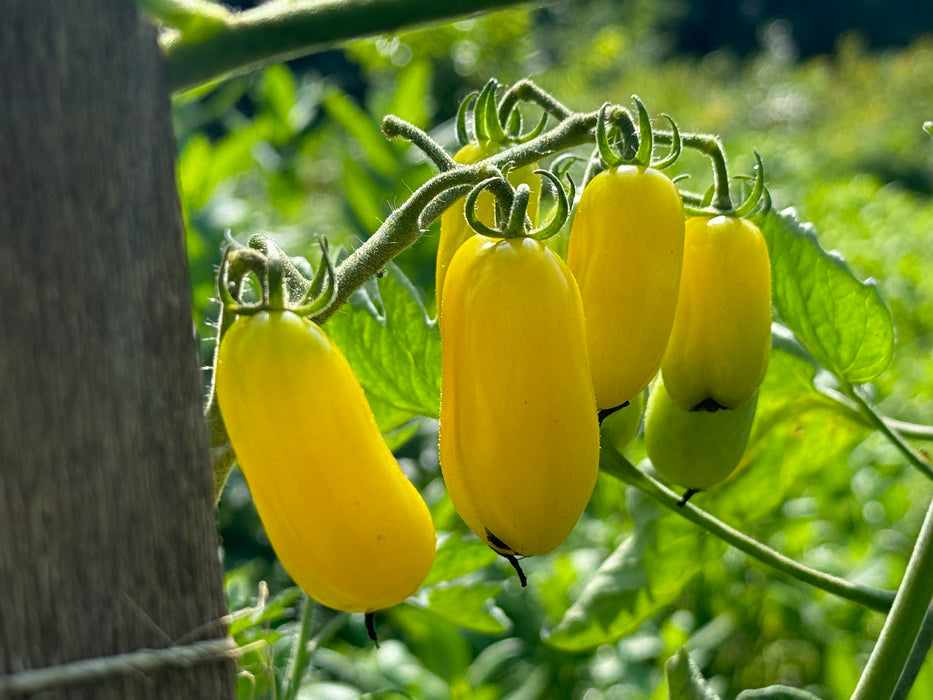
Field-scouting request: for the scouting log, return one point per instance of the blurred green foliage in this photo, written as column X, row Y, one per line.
column 295, row 152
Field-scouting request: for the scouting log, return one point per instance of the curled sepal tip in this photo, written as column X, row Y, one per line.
column 237, row 262
column 609, row 157
column 561, row 212
column 323, row 288
column 485, row 115
column 534, row 133
column 463, row 136
column 469, row 205
column 645, row 135
column 676, row 146
column 513, row 125
column 754, row 198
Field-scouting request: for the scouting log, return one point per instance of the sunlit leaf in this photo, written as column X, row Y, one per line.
column 411, row 93
column 364, row 130
column 643, row 575
column 472, row 607
column 393, row 348
column 457, row 557
column 840, row 319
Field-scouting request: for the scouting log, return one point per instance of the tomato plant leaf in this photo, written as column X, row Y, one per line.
column 363, row 129
column 472, row 607
column 642, row 576
column 393, row 347
column 843, row 321
column 458, row 556
column 684, row 680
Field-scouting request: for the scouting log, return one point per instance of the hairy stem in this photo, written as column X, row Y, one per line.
column 613, row 463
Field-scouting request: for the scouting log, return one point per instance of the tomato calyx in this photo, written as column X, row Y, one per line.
column 717, row 201
column 496, row 123
column 635, row 148
column 512, row 213
column 282, row 285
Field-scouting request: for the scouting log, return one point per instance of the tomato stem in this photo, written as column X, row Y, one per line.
column 887, row 661
column 613, row 463
column 393, row 127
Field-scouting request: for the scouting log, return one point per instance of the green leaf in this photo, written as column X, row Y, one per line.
column 776, row 692
column 841, row 320
column 472, row 607
column 364, row 130
column 392, row 346
column 279, row 92
column 457, row 557
column 365, row 198
column 435, row 645
column 641, row 577
column 684, row 680
column 411, row 93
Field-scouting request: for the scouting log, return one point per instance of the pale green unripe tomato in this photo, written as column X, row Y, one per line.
column 621, row 427
column 695, row 449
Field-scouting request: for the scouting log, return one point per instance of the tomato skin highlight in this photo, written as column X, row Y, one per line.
column 626, row 250
column 721, row 340
column 343, row 519
column 519, row 436
column 695, row 449
column 455, row 229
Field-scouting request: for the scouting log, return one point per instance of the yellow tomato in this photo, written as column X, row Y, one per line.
column 626, row 250
column 343, row 519
column 519, row 437
column 721, row 339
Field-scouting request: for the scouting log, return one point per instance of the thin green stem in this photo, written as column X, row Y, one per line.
column 889, row 657
column 300, row 655
column 279, row 31
column 918, row 654
column 877, row 420
column 613, row 463
column 905, row 429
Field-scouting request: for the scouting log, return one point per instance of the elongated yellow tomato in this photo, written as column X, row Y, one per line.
column 519, row 438
column 626, row 250
column 344, row 521
column 695, row 449
column 455, row 229
column 721, row 339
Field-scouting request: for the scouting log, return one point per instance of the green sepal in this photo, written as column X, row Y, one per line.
column 562, row 211
column 463, row 136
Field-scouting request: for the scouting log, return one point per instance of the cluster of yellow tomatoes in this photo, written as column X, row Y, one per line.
column 534, row 351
